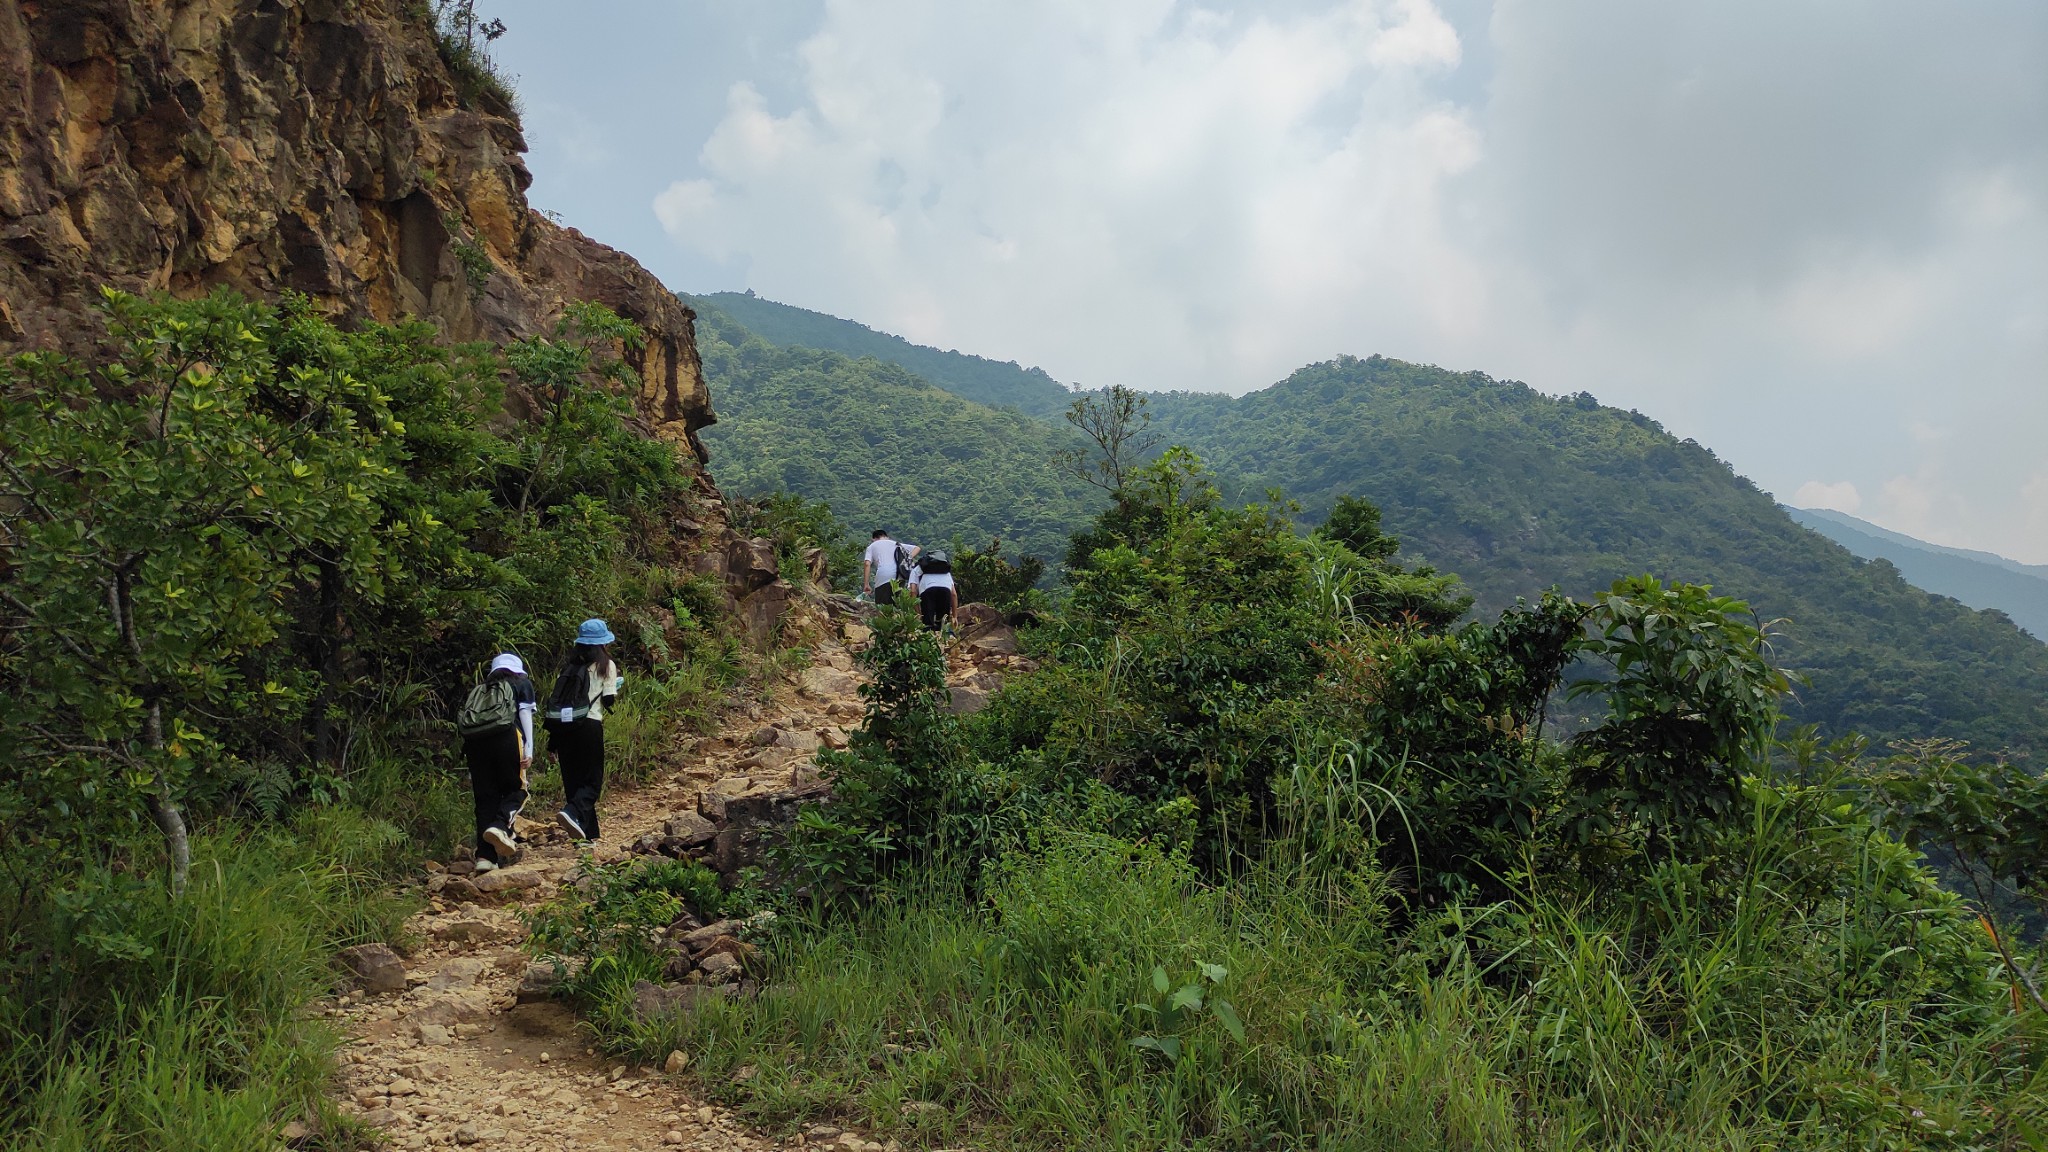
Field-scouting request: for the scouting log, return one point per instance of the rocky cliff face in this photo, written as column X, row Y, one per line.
column 320, row 146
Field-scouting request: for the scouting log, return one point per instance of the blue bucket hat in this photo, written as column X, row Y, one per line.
column 594, row 631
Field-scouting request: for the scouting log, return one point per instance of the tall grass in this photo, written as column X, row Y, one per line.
column 1809, row 1007
column 135, row 1021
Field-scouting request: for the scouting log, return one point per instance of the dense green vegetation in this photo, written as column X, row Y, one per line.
column 884, row 448
column 1512, row 490
column 250, row 564
column 996, row 384
column 1269, row 851
column 1516, row 491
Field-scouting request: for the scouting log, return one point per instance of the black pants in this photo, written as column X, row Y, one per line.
column 935, row 605
column 496, row 782
column 885, row 593
column 579, row 746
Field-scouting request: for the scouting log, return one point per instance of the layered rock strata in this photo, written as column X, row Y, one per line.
column 322, row 147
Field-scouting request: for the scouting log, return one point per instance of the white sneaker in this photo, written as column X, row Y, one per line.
column 569, row 822
column 485, row 866
column 501, row 840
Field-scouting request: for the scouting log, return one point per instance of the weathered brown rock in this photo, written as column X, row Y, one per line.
column 459, row 890
column 651, row 1001
column 750, row 565
column 763, row 610
column 503, row 885
column 375, row 967
column 829, row 684
column 970, row 620
column 995, row 642
column 183, row 145
column 691, row 828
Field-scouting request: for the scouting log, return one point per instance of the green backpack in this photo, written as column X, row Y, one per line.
column 491, row 707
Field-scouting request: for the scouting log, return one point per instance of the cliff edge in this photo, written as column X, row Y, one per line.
column 323, row 147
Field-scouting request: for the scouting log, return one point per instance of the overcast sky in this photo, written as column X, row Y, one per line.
column 1812, row 235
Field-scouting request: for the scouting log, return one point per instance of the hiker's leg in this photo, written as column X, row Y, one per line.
column 482, row 790
column 885, row 594
column 583, row 771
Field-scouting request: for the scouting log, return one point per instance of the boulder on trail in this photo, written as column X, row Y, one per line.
column 503, row 885
column 375, row 967
column 825, row 683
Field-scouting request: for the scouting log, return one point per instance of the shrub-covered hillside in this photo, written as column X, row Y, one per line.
column 885, row 448
column 996, row 383
column 1266, row 851
column 1516, row 491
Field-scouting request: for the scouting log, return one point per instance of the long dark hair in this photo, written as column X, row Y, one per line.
column 572, row 684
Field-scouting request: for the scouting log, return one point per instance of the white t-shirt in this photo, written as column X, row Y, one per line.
column 922, row 580
column 882, row 554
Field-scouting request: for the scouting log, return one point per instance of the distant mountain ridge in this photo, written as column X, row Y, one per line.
column 1980, row 579
column 995, row 383
column 1512, row 489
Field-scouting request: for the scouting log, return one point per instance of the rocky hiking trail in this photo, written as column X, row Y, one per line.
column 458, row 1043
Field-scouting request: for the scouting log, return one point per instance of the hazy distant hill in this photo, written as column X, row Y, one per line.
column 1513, row 490
column 885, row 448
column 1979, row 579
column 996, row 383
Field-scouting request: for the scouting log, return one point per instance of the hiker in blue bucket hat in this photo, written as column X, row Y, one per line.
column 588, row 684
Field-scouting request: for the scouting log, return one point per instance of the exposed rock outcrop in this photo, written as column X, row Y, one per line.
column 319, row 147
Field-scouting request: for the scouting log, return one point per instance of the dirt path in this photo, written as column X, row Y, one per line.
column 457, row 1060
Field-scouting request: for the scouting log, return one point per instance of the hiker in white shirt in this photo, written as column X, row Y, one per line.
column 885, row 563
column 932, row 582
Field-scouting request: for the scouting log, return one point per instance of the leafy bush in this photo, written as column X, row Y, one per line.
column 250, row 564
column 986, row 576
column 319, row 534
column 797, row 525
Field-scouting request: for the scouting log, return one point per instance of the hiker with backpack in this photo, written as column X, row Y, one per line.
column 496, row 723
column 589, row 684
column 932, row 581
column 885, row 563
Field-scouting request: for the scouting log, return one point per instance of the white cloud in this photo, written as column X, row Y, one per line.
column 1840, row 496
column 1795, row 239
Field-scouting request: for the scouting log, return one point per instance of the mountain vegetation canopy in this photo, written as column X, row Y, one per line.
column 884, row 448
column 1512, row 490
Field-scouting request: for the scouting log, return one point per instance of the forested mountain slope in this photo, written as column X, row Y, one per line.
column 1513, row 490
column 1516, row 491
column 996, row 383
column 885, row 448
column 1978, row 579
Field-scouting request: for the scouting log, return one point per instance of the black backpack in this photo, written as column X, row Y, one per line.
column 936, row 562
column 902, row 564
column 571, row 691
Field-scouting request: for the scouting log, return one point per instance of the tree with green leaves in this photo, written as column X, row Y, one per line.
column 1692, row 704
column 1118, row 424
column 158, row 507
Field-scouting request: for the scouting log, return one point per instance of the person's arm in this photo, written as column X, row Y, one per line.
column 618, row 681
column 867, row 570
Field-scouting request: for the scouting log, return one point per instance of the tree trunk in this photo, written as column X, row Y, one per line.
column 172, row 822
column 162, row 804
